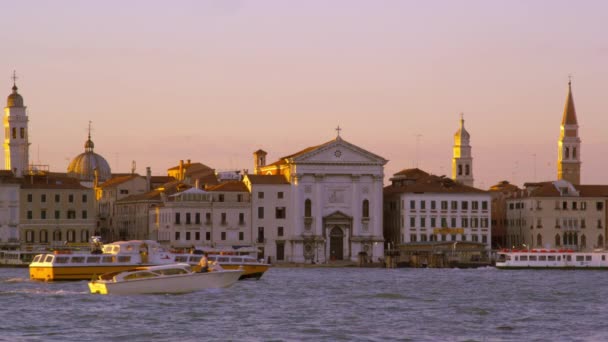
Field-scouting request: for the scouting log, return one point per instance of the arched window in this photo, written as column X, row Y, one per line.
column 432, row 237
column 600, row 241
column 57, row 235
column 84, row 235
column 44, row 236
column 467, row 170
column 71, row 235
column 423, row 238
column 574, row 152
column 539, row 240
column 567, row 152
column 583, row 241
column 29, row 236
column 557, row 240
column 365, row 209
column 575, row 238
column 460, row 170
column 308, row 208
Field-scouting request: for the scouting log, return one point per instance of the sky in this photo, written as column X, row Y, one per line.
column 214, row 81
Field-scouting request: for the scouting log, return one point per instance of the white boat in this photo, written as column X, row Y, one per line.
column 17, row 258
column 551, row 259
column 173, row 278
column 252, row 268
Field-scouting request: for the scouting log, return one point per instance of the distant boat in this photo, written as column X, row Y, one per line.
column 17, row 258
column 174, row 278
column 551, row 259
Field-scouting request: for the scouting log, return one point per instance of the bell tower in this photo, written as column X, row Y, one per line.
column 462, row 163
column 16, row 144
column 569, row 144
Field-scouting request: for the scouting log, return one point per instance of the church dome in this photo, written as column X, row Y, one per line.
column 83, row 166
column 14, row 99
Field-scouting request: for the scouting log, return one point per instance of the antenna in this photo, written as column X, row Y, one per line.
column 418, row 136
column 534, row 159
column 133, row 167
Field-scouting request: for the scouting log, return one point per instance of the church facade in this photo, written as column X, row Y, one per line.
column 335, row 204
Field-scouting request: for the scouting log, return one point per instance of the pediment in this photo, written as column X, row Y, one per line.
column 341, row 152
column 337, row 215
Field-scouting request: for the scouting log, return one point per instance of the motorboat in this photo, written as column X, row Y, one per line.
column 551, row 259
column 172, row 278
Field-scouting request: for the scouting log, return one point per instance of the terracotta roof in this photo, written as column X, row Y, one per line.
column 231, row 186
column 414, row 173
column 50, row 181
column 209, row 179
column 7, row 177
column 569, row 117
column 192, row 167
column 549, row 189
column 116, row 180
column 267, row 179
column 504, row 186
column 154, row 195
column 593, row 190
column 161, row 179
column 432, row 184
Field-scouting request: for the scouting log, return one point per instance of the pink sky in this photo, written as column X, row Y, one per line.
column 214, row 81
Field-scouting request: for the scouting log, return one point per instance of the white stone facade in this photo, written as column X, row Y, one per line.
column 335, row 210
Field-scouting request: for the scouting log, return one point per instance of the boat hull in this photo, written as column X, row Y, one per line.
column 175, row 284
column 60, row 273
column 249, row 271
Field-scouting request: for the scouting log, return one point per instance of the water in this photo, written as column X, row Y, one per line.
column 321, row 304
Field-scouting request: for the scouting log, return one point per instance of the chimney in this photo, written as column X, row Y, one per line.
column 181, row 170
column 148, row 179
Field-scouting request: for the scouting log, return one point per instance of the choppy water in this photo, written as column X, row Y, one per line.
column 322, row 304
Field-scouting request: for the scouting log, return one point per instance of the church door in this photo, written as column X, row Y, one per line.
column 336, row 248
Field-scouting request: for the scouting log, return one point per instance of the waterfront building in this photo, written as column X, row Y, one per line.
column 219, row 217
column 563, row 213
column 55, row 210
column 271, row 215
column 111, row 191
column 423, row 211
column 462, row 162
column 569, row 144
column 16, row 136
column 500, row 193
column 9, row 210
column 558, row 215
column 335, row 209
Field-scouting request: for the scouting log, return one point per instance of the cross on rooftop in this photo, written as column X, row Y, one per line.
column 338, row 129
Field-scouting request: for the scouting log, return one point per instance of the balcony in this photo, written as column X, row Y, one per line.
column 260, row 240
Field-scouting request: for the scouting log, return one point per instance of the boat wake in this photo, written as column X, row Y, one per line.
column 46, row 292
column 16, row 280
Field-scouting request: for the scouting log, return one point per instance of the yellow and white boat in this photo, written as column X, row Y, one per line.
column 114, row 257
column 173, row 278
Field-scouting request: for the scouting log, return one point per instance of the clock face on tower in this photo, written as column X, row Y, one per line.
column 338, row 153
